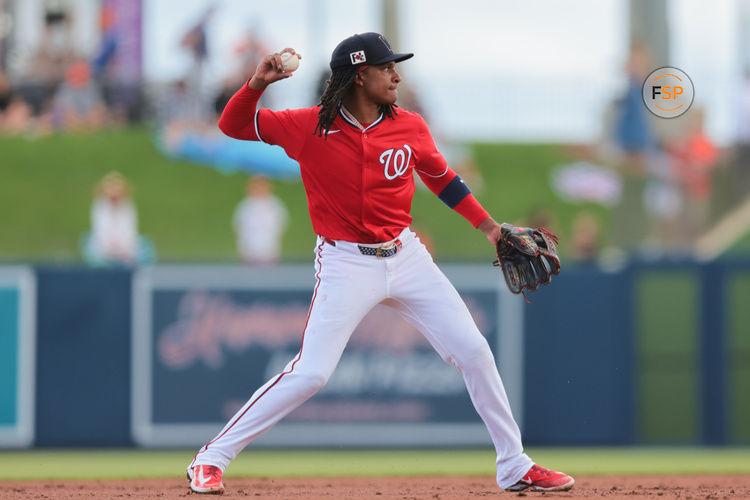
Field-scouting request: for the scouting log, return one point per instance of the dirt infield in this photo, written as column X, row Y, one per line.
column 382, row 488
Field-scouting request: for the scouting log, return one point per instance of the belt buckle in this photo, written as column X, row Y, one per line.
column 380, row 252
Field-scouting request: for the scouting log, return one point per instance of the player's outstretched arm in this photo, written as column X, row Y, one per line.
column 270, row 70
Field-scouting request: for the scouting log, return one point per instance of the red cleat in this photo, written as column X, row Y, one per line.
column 205, row 479
column 539, row 478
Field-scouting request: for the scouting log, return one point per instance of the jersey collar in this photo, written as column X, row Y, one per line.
column 355, row 125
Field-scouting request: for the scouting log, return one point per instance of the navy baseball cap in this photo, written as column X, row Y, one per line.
column 364, row 48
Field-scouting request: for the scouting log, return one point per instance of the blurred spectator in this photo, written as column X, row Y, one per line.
column 259, row 221
column 52, row 55
column 5, row 92
column 741, row 184
column 184, row 106
column 115, row 65
column 251, row 49
column 663, row 202
column 228, row 89
column 195, row 41
column 634, row 140
column 78, row 104
column 114, row 235
column 541, row 216
column 633, row 134
column 16, row 115
column 17, row 118
column 585, row 240
column 107, row 51
column 696, row 158
column 55, row 52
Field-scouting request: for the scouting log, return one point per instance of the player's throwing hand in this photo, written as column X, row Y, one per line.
column 271, row 70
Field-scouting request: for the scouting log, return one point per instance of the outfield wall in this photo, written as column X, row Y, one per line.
column 647, row 354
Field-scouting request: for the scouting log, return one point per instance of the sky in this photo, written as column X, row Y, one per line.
column 543, row 70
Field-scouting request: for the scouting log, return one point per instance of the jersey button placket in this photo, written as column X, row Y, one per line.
column 364, row 207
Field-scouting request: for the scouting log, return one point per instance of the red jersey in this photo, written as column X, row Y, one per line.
column 359, row 183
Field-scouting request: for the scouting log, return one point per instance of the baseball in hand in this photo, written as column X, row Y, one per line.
column 289, row 62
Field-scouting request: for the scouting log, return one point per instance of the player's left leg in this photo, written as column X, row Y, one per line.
column 425, row 297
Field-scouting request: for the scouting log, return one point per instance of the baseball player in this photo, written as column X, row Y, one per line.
column 357, row 153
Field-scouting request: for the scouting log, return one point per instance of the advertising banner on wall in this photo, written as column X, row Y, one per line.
column 205, row 339
column 17, row 332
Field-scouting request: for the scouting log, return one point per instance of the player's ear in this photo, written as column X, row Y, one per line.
column 358, row 78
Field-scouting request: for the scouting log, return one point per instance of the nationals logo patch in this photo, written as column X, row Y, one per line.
column 395, row 161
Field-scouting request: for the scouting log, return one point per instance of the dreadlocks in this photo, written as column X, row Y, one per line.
column 337, row 86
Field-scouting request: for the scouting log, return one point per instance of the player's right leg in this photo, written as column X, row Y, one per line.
column 345, row 291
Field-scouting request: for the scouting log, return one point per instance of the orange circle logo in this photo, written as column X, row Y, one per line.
column 668, row 92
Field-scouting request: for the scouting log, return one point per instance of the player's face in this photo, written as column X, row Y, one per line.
column 381, row 82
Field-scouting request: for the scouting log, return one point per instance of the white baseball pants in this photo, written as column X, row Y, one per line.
column 348, row 285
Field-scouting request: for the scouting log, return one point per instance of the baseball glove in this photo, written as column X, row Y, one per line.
column 527, row 257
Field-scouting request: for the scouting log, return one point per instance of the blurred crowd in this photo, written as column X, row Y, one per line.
column 669, row 164
column 259, row 222
column 71, row 102
column 656, row 177
column 61, row 90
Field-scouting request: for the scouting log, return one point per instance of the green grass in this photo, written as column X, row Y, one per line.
column 95, row 464
column 740, row 247
column 46, row 187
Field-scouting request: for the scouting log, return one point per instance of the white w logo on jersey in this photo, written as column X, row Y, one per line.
column 396, row 161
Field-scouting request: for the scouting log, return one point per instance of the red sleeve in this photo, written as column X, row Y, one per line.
column 472, row 210
column 237, row 119
column 242, row 120
column 443, row 181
